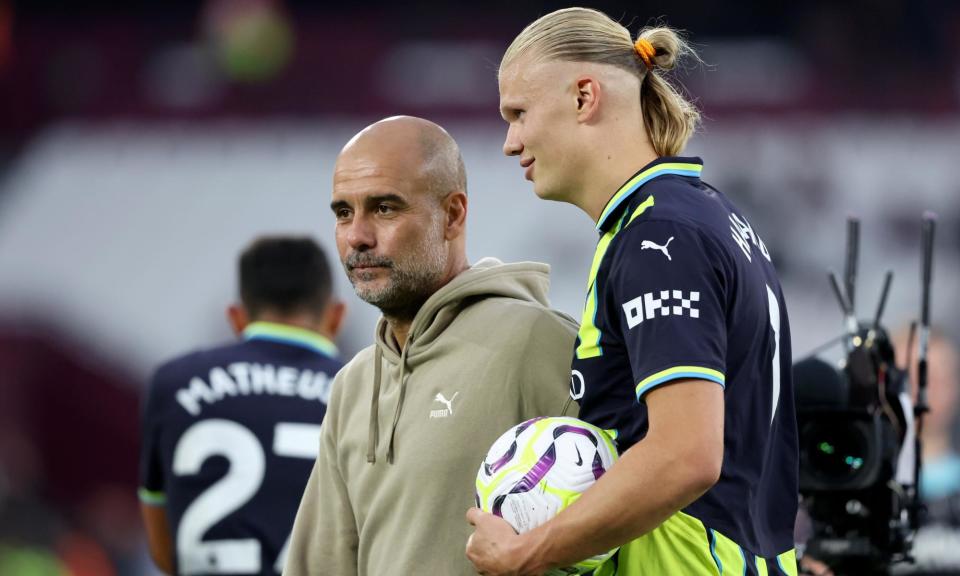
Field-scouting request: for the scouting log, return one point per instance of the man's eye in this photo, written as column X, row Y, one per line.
column 384, row 209
column 343, row 213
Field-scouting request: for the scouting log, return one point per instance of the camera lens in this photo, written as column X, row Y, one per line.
column 836, row 452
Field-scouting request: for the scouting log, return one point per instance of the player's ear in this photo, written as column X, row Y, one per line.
column 333, row 317
column 588, row 98
column 455, row 207
column 238, row 318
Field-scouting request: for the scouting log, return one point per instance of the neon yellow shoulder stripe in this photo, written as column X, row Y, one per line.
column 640, row 209
column 589, row 335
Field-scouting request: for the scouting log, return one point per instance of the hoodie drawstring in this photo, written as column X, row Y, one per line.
column 374, row 433
column 403, row 392
column 373, row 436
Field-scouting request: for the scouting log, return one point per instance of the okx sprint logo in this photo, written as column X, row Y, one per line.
column 663, row 303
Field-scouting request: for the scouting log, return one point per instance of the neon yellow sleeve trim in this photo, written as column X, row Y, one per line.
column 152, row 497
column 676, row 372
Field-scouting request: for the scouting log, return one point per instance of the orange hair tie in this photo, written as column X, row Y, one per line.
column 646, row 51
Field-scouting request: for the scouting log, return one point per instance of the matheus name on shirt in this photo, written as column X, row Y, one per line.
column 244, row 379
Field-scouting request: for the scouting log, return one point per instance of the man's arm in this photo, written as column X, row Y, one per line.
column 678, row 460
column 158, row 536
column 544, row 367
column 153, row 479
column 325, row 538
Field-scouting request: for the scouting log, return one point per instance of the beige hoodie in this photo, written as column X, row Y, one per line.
column 403, row 437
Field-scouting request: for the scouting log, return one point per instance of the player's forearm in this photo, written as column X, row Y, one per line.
column 158, row 536
column 653, row 480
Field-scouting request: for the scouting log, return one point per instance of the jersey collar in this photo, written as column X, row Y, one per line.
column 292, row 335
column 690, row 167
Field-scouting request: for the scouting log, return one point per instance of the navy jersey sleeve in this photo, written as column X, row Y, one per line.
column 152, row 488
column 670, row 292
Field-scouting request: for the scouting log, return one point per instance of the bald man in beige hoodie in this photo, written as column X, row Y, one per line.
column 461, row 354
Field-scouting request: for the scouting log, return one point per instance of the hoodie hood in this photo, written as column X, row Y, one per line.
column 488, row 278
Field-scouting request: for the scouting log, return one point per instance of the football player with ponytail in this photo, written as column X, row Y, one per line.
column 683, row 352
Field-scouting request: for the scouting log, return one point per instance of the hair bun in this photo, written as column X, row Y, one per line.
column 666, row 45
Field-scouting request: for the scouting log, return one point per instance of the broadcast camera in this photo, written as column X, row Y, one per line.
column 859, row 435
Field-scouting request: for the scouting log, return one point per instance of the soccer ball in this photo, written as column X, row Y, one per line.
column 538, row 468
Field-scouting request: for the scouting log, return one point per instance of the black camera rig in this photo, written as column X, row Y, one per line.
column 859, row 433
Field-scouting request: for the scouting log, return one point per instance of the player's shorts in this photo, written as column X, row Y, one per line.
column 683, row 545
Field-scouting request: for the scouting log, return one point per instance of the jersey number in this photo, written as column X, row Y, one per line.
column 774, row 308
column 247, row 466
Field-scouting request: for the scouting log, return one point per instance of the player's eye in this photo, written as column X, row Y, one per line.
column 511, row 115
column 384, row 209
column 342, row 213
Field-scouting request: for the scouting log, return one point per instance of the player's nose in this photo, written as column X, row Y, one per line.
column 512, row 146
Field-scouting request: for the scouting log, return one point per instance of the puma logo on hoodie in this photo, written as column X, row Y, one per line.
column 443, row 412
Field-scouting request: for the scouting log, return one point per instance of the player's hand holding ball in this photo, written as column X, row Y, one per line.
column 531, row 473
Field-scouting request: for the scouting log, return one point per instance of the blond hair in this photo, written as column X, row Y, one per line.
column 586, row 35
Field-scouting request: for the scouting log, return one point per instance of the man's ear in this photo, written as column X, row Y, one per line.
column 238, row 318
column 589, row 93
column 455, row 208
column 333, row 317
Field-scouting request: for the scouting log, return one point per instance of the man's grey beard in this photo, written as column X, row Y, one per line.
column 412, row 279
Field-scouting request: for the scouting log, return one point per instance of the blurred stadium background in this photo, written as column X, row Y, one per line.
column 143, row 144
